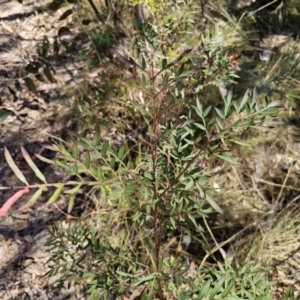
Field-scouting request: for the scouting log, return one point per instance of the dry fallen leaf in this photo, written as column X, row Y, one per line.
column 7, row 27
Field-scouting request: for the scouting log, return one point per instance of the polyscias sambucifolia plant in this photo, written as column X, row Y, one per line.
column 150, row 193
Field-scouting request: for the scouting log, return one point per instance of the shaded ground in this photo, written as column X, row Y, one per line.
column 34, row 115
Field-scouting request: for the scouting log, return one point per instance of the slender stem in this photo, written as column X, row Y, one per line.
column 32, row 186
column 154, row 153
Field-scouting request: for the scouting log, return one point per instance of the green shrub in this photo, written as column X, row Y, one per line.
column 146, row 193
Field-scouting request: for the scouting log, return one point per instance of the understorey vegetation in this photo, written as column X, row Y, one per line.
column 183, row 154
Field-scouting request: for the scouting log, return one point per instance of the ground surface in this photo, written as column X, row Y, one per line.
column 34, row 116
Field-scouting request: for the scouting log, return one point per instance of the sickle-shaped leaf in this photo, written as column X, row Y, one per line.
column 14, row 167
column 32, row 165
column 51, row 147
column 46, row 160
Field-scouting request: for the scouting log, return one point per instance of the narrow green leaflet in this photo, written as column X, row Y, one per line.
column 71, row 203
column 173, row 223
column 236, row 107
column 128, row 275
column 227, row 158
column 220, row 124
column 85, row 143
column 200, row 126
column 228, row 98
column 217, row 288
column 104, row 148
column 213, row 204
column 220, row 113
column 144, row 65
column 189, row 185
column 210, row 123
column 112, row 162
column 207, row 111
column 164, row 63
column 53, row 198
column 99, row 173
column 199, row 107
column 32, row 165
column 240, row 143
column 243, row 102
column 195, row 222
column 146, row 278
column 144, row 80
column 204, row 290
column 121, row 152
column 76, row 189
column 96, row 138
column 166, row 79
column 75, row 152
column 33, row 199
column 87, row 160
